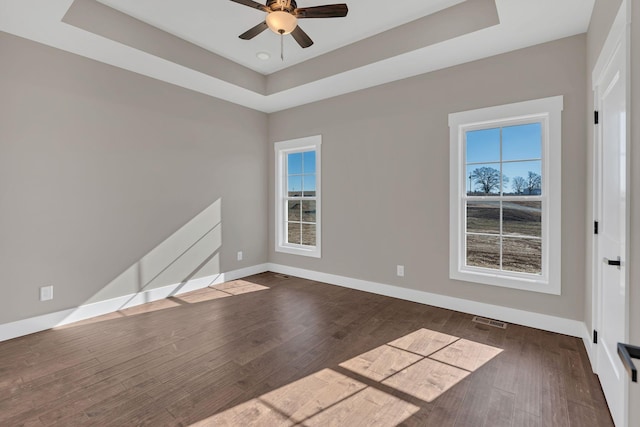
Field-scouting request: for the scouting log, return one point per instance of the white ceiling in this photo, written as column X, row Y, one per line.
column 216, row 24
column 522, row 23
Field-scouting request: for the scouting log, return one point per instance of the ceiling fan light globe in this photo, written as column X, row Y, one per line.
column 281, row 22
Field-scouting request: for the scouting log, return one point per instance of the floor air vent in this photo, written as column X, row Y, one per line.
column 490, row 322
column 282, row 276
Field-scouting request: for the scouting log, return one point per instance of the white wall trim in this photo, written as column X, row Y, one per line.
column 547, row 112
column 618, row 32
column 47, row 321
column 282, row 150
column 546, row 322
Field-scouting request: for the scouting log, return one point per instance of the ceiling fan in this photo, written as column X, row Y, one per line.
column 282, row 18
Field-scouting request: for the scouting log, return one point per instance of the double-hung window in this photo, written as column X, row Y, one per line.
column 505, row 195
column 298, row 196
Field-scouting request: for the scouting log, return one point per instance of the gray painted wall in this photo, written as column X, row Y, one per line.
column 99, row 166
column 385, row 155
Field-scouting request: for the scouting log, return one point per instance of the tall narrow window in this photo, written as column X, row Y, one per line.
column 298, row 196
column 505, row 195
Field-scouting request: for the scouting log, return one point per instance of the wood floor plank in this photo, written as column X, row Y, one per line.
column 525, row 419
column 476, row 404
column 500, row 411
column 197, row 359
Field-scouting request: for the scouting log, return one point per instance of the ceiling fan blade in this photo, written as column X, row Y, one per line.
column 252, row 32
column 252, row 4
column 327, row 11
column 301, row 37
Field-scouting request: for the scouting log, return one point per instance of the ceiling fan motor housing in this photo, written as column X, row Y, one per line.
column 277, row 5
column 282, row 18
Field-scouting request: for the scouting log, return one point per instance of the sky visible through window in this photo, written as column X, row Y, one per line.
column 301, row 168
column 518, row 148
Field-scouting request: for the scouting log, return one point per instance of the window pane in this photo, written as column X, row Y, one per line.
column 309, row 159
column 309, row 234
column 522, row 142
column 294, row 163
column 309, row 185
column 522, row 218
column 309, row 211
column 525, row 178
column 294, row 186
column 522, row 255
column 293, row 212
column 483, row 251
column 483, row 217
column 483, row 180
column 293, row 232
column 483, row 146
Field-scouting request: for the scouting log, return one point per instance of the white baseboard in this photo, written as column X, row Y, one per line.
column 59, row 318
column 560, row 325
column 546, row 322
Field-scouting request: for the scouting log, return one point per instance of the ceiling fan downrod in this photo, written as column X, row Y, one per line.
column 282, row 45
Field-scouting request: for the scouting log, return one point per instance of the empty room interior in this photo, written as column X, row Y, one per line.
column 297, row 213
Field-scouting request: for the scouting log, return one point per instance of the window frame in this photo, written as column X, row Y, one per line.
column 547, row 111
column 282, row 150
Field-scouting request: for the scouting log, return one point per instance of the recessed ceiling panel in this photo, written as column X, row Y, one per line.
column 216, row 24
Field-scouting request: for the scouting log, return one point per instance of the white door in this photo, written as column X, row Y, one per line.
column 611, row 98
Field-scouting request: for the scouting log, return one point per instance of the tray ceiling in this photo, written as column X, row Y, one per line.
column 195, row 44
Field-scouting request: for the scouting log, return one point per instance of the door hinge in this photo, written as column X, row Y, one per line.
column 595, row 336
column 596, row 118
column 595, row 227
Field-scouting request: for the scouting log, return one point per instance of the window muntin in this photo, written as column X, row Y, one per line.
column 301, row 198
column 506, row 223
column 504, row 199
column 298, row 196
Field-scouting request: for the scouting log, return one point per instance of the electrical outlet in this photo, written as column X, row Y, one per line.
column 239, row 255
column 46, row 293
column 400, row 270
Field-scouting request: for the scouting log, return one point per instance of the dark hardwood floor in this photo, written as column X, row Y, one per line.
column 295, row 353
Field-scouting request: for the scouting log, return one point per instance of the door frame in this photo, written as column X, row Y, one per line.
column 619, row 34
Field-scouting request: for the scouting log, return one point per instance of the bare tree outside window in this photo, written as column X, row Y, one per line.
column 487, row 179
column 534, row 183
column 519, row 184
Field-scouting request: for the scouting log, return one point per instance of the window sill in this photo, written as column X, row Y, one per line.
column 313, row 252
column 532, row 284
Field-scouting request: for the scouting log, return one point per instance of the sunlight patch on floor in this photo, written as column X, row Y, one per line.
column 466, row 354
column 307, row 397
column 427, row 379
column 324, row 398
column 380, row 363
column 213, row 292
column 424, row 341
column 423, row 364
column 206, row 294
column 251, row 413
column 238, row 287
